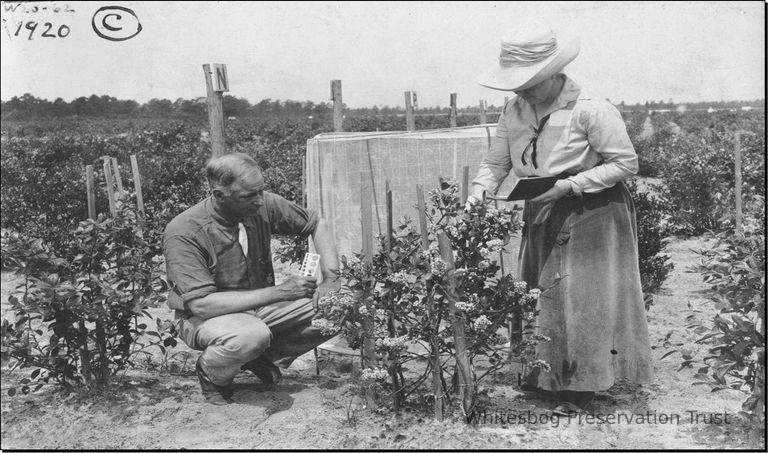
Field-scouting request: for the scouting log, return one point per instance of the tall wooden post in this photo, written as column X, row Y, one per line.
column 91, row 192
column 737, row 188
column 137, row 184
column 467, row 386
column 82, row 334
column 433, row 318
column 422, row 217
column 338, row 114
column 116, row 175
column 215, row 102
column 110, row 189
column 410, row 118
column 483, row 117
column 453, row 110
column 464, row 185
column 368, row 351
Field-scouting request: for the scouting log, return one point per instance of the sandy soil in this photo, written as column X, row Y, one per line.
column 161, row 407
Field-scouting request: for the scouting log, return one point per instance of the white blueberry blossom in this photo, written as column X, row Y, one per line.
column 392, row 343
column 326, row 327
column 438, row 267
column 535, row 293
column 542, row 365
column 336, row 299
column 356, row 266
column 374, row 374
column 482, row 322
column 494, row 245
column 401, row 277
column 528, row 316
column 520, row 286
column 465, row 306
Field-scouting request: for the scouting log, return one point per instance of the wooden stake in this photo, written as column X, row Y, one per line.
column 116, row 174
column 467, row 390
column 434, row 349
column 410, row 118
column 137, row 184
column 110, row 189
column 465, row 185
column 422, row 217
column 215, row 102
column 338, row 114
column 483, row 117
column 390, row 228
column 91, row 192
column 366, row 218
column 737, row 188
column 453, row 110
column 368, row 352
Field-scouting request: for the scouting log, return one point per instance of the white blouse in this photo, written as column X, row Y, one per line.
column 585, row 137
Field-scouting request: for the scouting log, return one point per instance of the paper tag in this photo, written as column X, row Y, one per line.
column 310, row 265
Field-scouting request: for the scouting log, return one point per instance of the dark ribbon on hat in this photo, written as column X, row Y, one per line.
column 534, row 141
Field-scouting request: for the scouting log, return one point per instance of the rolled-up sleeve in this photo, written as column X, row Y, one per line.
column 289, row 218
column 187, row 269
column 607, row 136
column 495, row 165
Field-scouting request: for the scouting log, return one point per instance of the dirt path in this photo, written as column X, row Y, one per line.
column 154, row 409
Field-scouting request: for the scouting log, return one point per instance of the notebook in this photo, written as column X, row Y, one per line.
column 532, row 187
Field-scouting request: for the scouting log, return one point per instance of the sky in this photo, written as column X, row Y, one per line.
column 630, row 51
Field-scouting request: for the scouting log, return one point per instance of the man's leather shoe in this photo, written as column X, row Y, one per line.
column 214, row 394
column 265, row 370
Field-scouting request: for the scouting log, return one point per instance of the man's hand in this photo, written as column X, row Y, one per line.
column 558, row 191
column 298, row 287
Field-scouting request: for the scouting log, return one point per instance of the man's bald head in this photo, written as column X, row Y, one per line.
column 225, row 170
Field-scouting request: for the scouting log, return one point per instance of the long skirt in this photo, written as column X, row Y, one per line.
column 582, row 253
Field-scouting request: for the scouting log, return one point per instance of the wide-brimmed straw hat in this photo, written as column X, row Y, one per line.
column 529, row 55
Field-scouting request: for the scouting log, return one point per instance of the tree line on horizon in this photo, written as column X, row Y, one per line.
column 29, row 107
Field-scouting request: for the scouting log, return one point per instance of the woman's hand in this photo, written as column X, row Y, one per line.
column 558, row 191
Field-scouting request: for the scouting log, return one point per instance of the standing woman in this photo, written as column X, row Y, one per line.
column 579, row 239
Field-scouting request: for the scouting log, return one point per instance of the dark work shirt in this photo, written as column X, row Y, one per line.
column 203, row 255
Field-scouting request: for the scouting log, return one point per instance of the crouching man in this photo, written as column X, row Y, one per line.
column 219, row 264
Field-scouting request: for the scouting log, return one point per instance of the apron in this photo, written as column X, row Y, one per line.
column 582, row 253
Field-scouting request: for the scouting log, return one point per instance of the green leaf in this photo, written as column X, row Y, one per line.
column 668, row 354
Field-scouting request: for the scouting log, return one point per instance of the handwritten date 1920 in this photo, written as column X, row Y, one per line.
column 47, row 30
